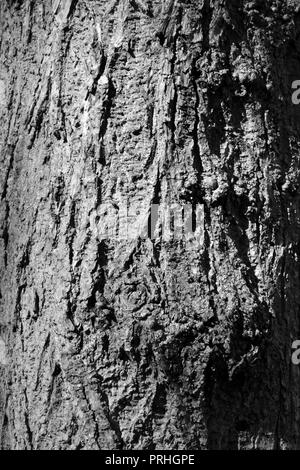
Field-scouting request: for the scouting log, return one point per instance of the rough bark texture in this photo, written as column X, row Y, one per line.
column 149, row 344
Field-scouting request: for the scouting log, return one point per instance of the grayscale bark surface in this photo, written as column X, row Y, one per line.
column 149, row 344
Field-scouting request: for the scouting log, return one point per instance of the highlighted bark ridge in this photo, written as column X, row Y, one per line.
column 3, row 358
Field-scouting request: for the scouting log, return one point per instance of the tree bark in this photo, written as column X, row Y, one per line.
column 149, row 343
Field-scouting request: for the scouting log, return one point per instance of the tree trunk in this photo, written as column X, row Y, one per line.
column 149, row 342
